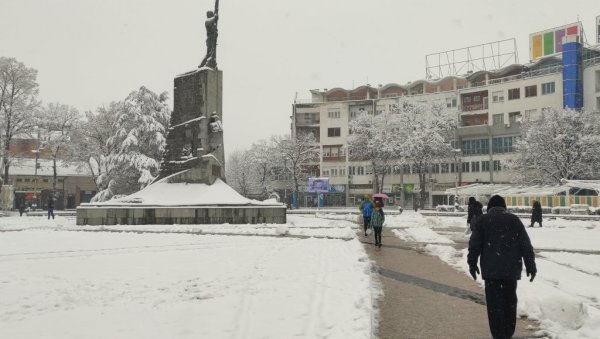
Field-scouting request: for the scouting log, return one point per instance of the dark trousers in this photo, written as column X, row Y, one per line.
column 501, row 300
column 377, row 230
column 50, row 212
column 366, row 222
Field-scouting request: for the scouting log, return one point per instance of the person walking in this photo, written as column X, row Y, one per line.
column 50, row 208
column 536, row 213
column 377, row 220
column 475, row 210
column 366, row 207
column 500, row 239
column 21, row 208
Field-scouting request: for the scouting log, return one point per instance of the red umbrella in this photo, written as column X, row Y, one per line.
column 380, row 195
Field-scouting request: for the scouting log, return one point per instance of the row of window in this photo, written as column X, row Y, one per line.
column 530, row 91
column 465, row 167
column 33, row 180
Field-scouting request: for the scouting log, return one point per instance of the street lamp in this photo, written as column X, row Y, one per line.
column 456, row 152
column 37, row 156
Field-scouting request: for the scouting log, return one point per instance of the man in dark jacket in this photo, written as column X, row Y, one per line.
column 536, row 213
column 502, row 242
column 475, row 210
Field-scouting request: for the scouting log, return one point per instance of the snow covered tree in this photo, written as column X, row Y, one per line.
column 295, row 154
column 263, row 160
column 559, row 143
column 426, row 132
column 137, row 142
column 373, row 138
column 241, row 173
column 90, row 141
column 18, row 104
column 58, row 121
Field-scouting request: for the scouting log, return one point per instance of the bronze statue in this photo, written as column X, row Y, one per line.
column 210, row 60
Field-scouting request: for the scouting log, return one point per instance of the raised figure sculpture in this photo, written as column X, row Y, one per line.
column 210, row 60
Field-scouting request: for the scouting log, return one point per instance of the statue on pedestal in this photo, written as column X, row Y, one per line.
column 212, row 18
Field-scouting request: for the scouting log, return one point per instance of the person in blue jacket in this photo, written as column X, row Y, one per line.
column 366, row 207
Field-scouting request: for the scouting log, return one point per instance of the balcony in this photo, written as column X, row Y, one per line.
column 334, row 158
column 475, row 107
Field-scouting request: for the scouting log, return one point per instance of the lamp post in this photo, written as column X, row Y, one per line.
column 37, row 156
column 456, row 152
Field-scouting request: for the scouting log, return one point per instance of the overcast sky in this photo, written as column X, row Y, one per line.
column 91, row 52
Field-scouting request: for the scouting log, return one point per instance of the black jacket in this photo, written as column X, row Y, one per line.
column 499, row 237
column 474, row 211
column 536, row 212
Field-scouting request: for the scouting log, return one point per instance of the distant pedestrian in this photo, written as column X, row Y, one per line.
column 415, row 204
column 366, row 208
column 536, row 213
column 377, row 220
column 475, row 210
column 50, row 208
column 501, row 240
column 21, row 209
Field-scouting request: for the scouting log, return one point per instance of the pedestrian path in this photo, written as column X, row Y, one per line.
column 426, row 298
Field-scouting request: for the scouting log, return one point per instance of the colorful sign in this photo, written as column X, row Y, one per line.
column 549, row 42
column 318, row 184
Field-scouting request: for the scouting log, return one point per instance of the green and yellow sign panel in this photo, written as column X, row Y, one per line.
column 549, row 42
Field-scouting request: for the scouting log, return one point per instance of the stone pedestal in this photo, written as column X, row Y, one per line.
column 195, row 128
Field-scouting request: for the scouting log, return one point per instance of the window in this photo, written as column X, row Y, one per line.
column 333, row 132
column 465, row 167
column 514, row 117
column 474, row 166
column 548, row 87
column 467, row 100
column 334, row 172
column 369, row 170
column 497, row 166
column 435, row 168
column 445, row 168
column 351, row 170
column 19, row 179
column 498, row 96
column 503, row 144
column 450, row 102
column 498, row 119
column 514, row 93
column 325, row 173
column 45, row 180
column 27, row 180
column 530, row 113
column 360, row 170
column 343, row 172
column 476, row 98
column 485, row 166
column 476, row 146
column 406, row 169
column 452, row 167
column 530, row 91
column 334, row 114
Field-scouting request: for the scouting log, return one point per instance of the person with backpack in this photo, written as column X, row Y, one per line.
column 377, row 220
column 366, row 207
column 475, row 210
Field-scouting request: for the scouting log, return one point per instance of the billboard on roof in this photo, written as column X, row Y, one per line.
column 549, row 42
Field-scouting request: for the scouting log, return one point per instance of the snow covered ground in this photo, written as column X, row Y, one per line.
column 157, row 281
column 184, row 281
column 565, row 295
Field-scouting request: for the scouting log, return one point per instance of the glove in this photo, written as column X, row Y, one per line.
column 532, row 274
column 474, row 270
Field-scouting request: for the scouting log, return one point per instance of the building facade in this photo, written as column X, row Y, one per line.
column 489, row 106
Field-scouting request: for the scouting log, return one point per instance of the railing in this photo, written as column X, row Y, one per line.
column 475, row 107
column 590, row 62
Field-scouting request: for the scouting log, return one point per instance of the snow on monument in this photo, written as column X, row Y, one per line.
column 190, row 188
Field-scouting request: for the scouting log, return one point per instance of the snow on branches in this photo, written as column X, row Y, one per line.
column 556, row 144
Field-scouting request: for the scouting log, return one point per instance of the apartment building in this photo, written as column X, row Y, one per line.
column 489, row 107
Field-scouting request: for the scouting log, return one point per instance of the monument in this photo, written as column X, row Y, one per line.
column 190, row 188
